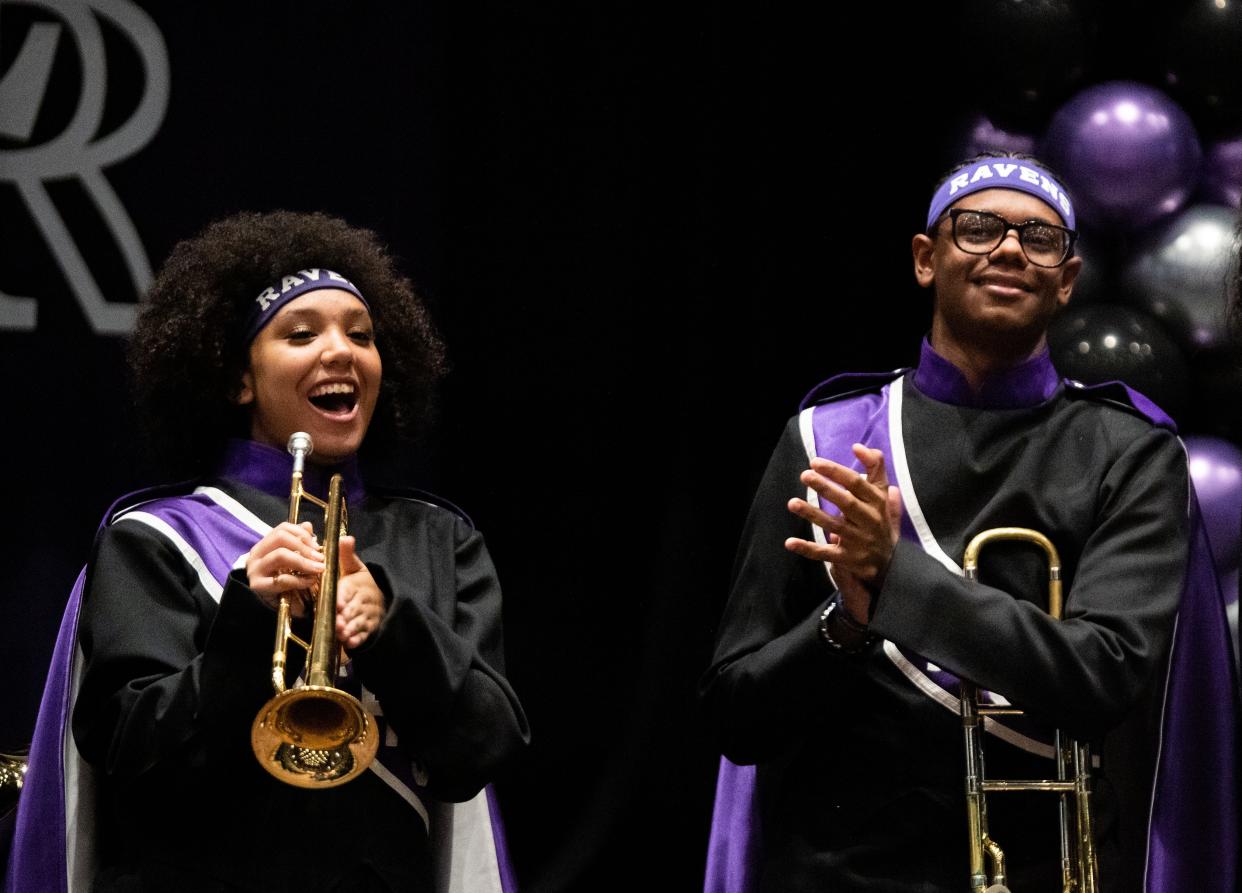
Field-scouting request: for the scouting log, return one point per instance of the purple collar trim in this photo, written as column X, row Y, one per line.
column 1027, row 384
column 270, row 470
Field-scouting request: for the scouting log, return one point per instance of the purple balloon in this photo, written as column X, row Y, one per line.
column 982, row 137
column 1222, row 172
column 1129, row 153
column 1216, row 469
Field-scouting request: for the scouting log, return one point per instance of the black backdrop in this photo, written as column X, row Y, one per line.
column 645, row 231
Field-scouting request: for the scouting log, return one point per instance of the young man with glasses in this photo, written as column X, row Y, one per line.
column 849, row 624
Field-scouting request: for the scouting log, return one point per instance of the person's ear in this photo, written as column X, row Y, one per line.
column 923, row 248
column 245, row 394
column 1069, row 275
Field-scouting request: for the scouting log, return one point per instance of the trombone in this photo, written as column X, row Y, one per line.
column 314, row 735
column 1079, row 867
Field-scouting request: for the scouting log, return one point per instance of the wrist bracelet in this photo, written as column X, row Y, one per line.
column 846, row 618
column 837, row 608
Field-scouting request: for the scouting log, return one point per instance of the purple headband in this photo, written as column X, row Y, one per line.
column 294, row 285
column 1002, row 173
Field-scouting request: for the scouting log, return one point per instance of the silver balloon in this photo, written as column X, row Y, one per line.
column 1180, row 274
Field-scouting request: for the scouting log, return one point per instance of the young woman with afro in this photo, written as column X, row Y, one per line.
column 262, row 326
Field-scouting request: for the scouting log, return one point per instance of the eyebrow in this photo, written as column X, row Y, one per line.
column 1007, row 220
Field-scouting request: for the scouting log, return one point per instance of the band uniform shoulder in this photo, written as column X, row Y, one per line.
column 136, row 498
column 849, row 384
column 423, row 498
column 1121, row 396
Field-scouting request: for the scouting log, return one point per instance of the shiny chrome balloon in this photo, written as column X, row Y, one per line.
column 1179, row 274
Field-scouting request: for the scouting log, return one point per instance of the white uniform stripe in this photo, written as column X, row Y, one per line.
column 397, row 785
column 236, row 509
column 806, row 427
column 909, row 499
column 209, row 583
column 1155, row 780
column 954, row 704
column 80, row 799
column 472, row 865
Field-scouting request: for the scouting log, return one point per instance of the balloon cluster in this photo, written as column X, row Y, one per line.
column 1155, row 170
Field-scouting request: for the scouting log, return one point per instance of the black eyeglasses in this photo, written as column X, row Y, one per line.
column 981, row 232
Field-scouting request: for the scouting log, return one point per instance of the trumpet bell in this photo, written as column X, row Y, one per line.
column 314, row 736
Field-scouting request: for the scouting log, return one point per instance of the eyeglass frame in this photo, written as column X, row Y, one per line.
column 1020, row 228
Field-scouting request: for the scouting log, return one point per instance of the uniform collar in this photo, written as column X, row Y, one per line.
column 270, row 470
column 1029, row 383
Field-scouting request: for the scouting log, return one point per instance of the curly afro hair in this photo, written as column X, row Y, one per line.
column 187, row 354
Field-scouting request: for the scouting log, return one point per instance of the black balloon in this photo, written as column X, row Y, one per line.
column 1201, row 63
column 1107, row 342
column 1090, row 286
column 1018, row 58
column 1216, row 393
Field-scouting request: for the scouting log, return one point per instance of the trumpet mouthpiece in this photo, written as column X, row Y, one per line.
column 300, row 442
column 299, row 448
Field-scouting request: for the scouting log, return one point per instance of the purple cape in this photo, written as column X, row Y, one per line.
column 1193, row 828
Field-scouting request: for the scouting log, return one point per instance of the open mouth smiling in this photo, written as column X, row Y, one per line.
column 334, row 399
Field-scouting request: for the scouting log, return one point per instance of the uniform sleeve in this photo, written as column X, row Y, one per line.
column 164, row 670
column 769, row 670
column 1085, row 672
column 440, row 679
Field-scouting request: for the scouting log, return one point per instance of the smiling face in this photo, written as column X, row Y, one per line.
column 314, row 368
column 1000, row 303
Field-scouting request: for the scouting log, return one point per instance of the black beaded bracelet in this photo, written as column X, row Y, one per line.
column 837, row 608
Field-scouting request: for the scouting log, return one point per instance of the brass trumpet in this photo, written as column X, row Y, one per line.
column 1079, row 867
column 314, row 735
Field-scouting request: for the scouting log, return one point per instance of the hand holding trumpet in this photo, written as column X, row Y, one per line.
column 289, row 561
